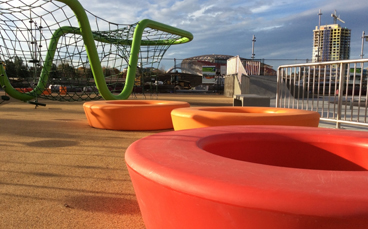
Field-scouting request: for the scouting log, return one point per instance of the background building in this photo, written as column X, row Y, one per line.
column 331, row 42
column 211, row 67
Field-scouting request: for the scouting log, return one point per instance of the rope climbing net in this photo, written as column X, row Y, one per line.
column 58, row 50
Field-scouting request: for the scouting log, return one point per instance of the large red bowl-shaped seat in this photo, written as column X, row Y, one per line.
column 251, row 177
column 131, row 114
column 197, row 117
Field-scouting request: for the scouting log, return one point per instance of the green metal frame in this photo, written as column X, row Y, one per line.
column 89, row 37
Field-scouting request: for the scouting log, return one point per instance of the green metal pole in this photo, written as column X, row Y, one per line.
column 40, row 87
column 136, row 43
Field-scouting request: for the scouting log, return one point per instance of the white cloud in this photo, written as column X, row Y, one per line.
column 283, row 28
column 227, row 26
column 261, row 9
column 201, row 12
column 267, row 28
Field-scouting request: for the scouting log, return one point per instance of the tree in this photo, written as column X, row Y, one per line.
column 20, row 69
column 66, row 71
column 54, row 72
column 85, row 73
column 10, row 69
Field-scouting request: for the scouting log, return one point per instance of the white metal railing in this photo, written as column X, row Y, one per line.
column 335, row 89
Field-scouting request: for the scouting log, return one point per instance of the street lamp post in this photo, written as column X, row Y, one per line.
column 319, row 35
column 253, row 40
column 366, row 38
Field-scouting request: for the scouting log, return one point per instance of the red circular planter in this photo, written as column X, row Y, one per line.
column 252, row 177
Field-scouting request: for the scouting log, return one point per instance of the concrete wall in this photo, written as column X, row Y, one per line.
column 229, row 85
column 233, row 87
column 263, row 85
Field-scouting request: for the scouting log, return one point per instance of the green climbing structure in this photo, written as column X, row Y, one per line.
column 67, row 60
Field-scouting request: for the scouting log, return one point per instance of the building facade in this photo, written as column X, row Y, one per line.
column 211, row 67
column 331, row 42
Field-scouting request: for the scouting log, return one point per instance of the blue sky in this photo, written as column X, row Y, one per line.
column 283, row 29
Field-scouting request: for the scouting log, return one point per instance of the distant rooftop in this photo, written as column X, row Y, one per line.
column 211, row 58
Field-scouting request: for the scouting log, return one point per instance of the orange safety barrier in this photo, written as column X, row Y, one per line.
column 23, row 90
column 62, row 90
column 46, row 92
column 251, row 177
column 197, row 117
column 131, row 114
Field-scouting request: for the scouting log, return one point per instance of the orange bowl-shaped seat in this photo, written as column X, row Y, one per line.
column 196, row 117
column 251, row 177
column 131, row 114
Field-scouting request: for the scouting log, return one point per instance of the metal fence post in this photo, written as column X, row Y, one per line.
column 278, row 87
column 340, row 94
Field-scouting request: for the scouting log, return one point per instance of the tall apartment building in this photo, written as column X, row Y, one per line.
column 331, row 42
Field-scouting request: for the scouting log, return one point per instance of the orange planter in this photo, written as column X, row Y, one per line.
column 197, row 117
column 131, row 114
column 251, row 177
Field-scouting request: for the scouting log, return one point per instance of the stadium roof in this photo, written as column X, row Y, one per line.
column 211, row 57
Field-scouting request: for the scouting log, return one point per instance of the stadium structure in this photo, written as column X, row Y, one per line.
column 212, row 67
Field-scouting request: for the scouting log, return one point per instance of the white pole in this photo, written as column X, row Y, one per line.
column 363, row 36
column 253, row 40
column 319, row 35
